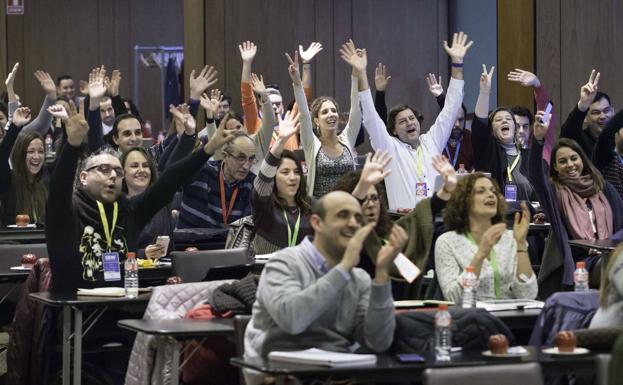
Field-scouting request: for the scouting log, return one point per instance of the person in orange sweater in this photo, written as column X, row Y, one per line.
column 252, row 119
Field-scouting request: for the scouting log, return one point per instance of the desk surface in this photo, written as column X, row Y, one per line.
column 23, row 235
column 389, row 368
column 180, row 327
column 73, row 299
column 599, row 244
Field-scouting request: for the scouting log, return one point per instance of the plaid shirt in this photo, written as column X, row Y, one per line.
column 201, row 201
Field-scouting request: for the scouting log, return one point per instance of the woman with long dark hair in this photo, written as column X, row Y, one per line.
column 281, row 206
column 24, row 188
column 579, row 204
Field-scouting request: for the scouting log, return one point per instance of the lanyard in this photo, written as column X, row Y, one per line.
column 292, row 236
column 509, row 170
column 225, row 212
column 494, row 266
column 108, row 231
column 419, row 163
column 456, row 154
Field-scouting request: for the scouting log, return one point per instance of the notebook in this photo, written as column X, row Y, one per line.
column 321, row 357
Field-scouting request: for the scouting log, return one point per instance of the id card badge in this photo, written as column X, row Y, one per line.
column 112, row 272
column 510, row 192
column 420, row 190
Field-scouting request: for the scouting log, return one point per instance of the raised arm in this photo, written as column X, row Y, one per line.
column 306, row 56
column 42, row 122
column 358, row 59
column 482, row 103
column 269, row 121
column 199, row 84
column 572, row 127
column 381, row 79
column 604, row 148
column 306, row 131
column 248, row 50
column 97, row 90
column 536, row 171
column 19, row 119
column 12, row 99
column 112, row 90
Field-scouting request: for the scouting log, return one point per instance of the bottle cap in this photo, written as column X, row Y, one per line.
column 469, row 269
column 131, row 255
column 580, row 265
column 442, row 306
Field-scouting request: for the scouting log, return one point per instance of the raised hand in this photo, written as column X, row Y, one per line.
column 47, row 84
column 381, row 79
column 375, row 168
column 356, row 58
column 97, row 89
column 248, row 50
column 257, row 83
column 83, row 85
column 289, row 125
column 21, row 116
column 219, row 139
column 540, row 128
column 182, row 115
column 10, row 79
column 206, row 79
column 58, row 111
column 459, row 47
column 525, row 78
column 486, row 78
column 397, row 240
column 445, row 169
column 588, row 91
column 210, row 104
column 308, row 54
column 293, row 68
column 77, row 126
column 154, row 251
column 112, row 84
column 434, row 86
column 522, row 223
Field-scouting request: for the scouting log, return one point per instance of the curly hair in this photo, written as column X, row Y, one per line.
column 315, row 110
column 456, row 214
column 348, row 181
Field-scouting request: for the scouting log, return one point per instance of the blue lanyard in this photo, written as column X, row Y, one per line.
column 456, row 154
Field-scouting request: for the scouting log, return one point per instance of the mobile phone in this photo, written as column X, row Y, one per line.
column 548, row 112
column 406, row 358
column 163, row 240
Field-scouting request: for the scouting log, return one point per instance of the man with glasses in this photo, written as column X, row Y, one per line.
column 221, row 192
column 90, row 230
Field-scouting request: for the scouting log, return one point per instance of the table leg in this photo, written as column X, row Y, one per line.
column 175, row 369
column 66, row 344
column 77, row 346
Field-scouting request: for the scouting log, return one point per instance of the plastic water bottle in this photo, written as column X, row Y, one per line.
column 470, row 285
column 49, row 145
column 443, row 333
column 461, row 169
column 131, row 276
column 580, row 277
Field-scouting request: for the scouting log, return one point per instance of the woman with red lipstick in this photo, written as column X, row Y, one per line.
column 579, row 204
column 24, row 188
column 281, row 206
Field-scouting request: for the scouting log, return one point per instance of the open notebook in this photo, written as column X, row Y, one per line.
column 321, row 357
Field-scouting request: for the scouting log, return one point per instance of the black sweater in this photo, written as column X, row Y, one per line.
column 605, row 157
column 572, row 129
column 74, row 231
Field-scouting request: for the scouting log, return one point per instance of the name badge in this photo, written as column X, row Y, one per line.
column 420, row 190
column 112, row 272
column 510, row 192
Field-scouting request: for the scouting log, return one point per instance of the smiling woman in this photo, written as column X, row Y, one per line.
column 24, row 188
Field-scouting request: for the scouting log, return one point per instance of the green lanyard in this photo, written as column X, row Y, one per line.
column 494, row 266
column 108, row 231
column 292, row 237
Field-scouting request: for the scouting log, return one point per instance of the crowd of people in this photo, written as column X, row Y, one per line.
column 321, row 209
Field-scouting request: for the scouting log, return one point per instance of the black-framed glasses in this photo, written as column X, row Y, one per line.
column 372, row 198
column 243, row 159
column 107, row 169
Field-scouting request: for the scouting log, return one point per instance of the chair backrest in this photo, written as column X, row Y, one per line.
column 519, row 374
column 192, row 266
column 10, row 255
column 240, row 326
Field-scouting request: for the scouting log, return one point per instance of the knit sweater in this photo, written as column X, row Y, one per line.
column 302, row 303
column 310, row 142
column 401, row 183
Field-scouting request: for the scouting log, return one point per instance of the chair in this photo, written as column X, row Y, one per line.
column 193, row 266
column 240, row 325
column 519, row 374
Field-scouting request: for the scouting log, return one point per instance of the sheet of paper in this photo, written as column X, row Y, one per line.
column 406, row 268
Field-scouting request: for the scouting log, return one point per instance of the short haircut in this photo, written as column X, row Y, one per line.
column 104, row 99
column 319, row 208
column 104, row 150
column 227, row 147
column 227, row 99
column 63, row 77
column 601, row 95
column 502, row 109
column 523, row 111
column 395, row 110
column 115, row 130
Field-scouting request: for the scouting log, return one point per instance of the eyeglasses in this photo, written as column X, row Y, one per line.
column 372, row 198
column 107, row 169
column 243, row 159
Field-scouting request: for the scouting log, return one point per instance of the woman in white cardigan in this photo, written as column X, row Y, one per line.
column 328, row 155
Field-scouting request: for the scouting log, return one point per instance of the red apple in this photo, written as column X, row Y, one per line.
column 565, row 341
column 22, row 219
column 28, row 260
column 498, row 344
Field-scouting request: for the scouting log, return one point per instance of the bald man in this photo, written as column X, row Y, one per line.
column 221, row 192
column 312, row 295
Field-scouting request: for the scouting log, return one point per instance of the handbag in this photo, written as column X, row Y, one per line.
column 241, row 234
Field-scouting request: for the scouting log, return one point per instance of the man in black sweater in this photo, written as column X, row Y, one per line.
column 90, row 230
